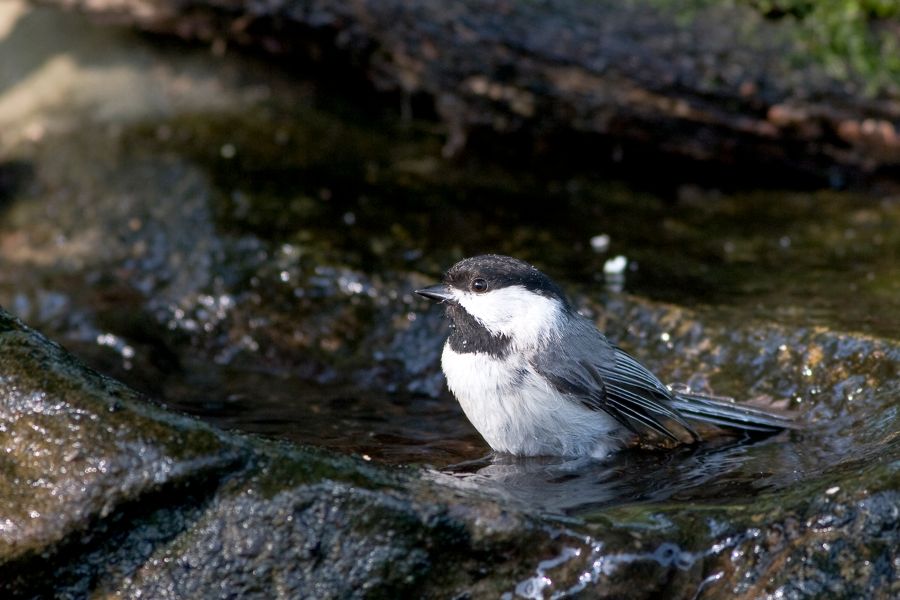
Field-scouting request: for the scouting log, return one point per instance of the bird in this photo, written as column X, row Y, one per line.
column 537, row 378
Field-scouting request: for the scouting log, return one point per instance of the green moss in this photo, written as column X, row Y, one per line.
column 854, row 41
column 281, row 466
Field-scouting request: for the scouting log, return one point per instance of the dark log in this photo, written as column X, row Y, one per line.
column 723, row 84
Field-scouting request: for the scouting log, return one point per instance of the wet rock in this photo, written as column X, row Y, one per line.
column 730, row 83
column 107, row 494
column 79, row 449
column 281, row 532
column 104, row 493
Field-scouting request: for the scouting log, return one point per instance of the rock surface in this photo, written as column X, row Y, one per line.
column 105, row 494
column 727, row 82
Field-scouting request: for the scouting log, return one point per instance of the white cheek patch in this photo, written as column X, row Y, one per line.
column 523, row 316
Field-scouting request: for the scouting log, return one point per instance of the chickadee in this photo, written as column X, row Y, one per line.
column 536, row 378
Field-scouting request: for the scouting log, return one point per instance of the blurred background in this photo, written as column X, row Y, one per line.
column 226, row 204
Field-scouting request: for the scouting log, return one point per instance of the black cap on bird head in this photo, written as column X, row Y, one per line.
column 488, row 272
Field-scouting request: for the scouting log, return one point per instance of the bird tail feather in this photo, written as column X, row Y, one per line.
column 726, row 412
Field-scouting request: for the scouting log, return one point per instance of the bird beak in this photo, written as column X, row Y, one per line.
column 438, row 293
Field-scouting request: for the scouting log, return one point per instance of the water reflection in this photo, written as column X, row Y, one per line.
column 393, row 428
column 730, row 468
column 718, row 470
column 413, row 429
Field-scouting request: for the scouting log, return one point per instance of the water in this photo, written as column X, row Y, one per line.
column 245, row 253
column 390, row 428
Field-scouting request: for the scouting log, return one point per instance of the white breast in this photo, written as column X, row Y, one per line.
column 518, row 411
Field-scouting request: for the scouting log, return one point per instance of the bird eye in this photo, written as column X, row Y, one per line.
column 479, row 285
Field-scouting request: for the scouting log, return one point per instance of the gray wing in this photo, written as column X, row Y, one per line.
column 603, row 377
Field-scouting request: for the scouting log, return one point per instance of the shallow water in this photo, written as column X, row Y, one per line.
column 245, row 253
column 723, row 470
column 386, row 427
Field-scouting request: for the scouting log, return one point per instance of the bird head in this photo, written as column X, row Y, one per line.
column 501, row 296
